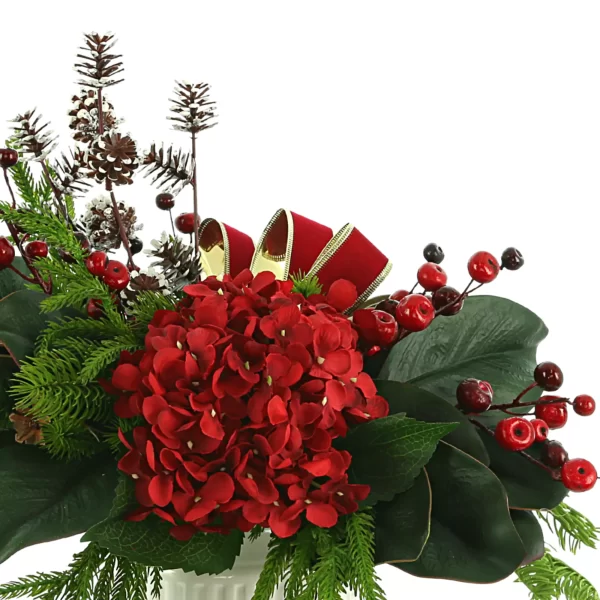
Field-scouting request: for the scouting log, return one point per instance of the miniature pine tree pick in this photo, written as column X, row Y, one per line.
column 193, row 112
column 99, row 67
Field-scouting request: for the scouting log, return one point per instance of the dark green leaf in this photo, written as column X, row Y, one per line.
column 425, row 406
column 22, row 322
column 528, row 486
column 8, row 367
column 389, row 453
column 9, row 281
column 402, row 525
column 472, row 534
column 42, row 499
column 531, row 534
column 150, row 543
column 492, row 339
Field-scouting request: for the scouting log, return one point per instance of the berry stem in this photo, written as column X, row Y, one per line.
column 22, row 275
column 122, row 232
column 553, row 473
column 505, row 407
column 195, row 188
column 414, row 287
column 12, row 194
column 172, row 224
column 517, row 400
column 57, row 194
column 460, row 298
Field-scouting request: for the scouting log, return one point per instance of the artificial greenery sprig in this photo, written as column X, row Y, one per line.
column 570, row 527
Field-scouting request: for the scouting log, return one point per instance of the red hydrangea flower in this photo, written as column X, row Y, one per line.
column 241, row 392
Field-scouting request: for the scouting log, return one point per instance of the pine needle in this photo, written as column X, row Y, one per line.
column 307, row 285
column 570, row 527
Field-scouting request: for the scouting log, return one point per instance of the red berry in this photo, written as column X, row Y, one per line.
column 515, row 434
column 553, row 454
column 185, row 222
column 584, row 405
column 548, row 376
column 373, row 350
column 541, row 430
column 483, row 267
column 555, row 415
column 579, row 475
column 415, row 312
column 94, row 309
column 388, row 306
column 398, row 295
column 387, row 328
column 7, row 253
column 116, row 276
column 432, row 277
column 8, row 157
column 165, row 201
column 96, row 263
column 84, row 242
column 474, row 396
column 447, row 297
column 37, row 249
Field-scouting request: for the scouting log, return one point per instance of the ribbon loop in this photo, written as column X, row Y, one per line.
column 224, row 250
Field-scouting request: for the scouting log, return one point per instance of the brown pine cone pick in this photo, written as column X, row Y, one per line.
column 113, row 158
column 28, row 430
column 84, row 116
column 101, row 225
column 176, row 261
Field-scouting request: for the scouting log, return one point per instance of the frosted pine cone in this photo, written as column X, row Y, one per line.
column 84, row 116
column 113, row 157
column 176, row 261
column 101, row 225
column 145, row 281
column 70, row 174
column 34, row 138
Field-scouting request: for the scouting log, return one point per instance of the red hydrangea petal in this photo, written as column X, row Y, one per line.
column 338, row 362
column 319, row 467
column 321, row 515
column 183, row 533
column 127, row 378
column 219, row 487
column 161, row 489
column 342, row 294
column 255, row 512
column 152, row 406
column 277, row 411
column 326, row 339
column 211, row 426
column 164, row 515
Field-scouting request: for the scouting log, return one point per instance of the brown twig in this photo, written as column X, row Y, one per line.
column 22, row 275
column 122, row 232
column 12, row 194
column 195, row 188
column 57, row 193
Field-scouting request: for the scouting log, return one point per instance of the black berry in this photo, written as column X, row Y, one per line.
column 433, row 253
column 136, row 245
column 548, row 376
column 554, row 455
column 447, row 297
column 512, row 259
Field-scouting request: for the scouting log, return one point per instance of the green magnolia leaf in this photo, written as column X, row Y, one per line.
column 150, row 543
column 425, row 406
column 492, row 339
column 531, row 534
column 402, row 525
column 42, row 499
column 8, row 367
column 528, row 486
column 389, row 453
column 472, row 537
column 9, row 281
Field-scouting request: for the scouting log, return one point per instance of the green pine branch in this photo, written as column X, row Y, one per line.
column 68, row 439
column 307, row 285
column 570, row 527
column 94, row 574
column 551, row 579
column 156, row 582
column 274, row 569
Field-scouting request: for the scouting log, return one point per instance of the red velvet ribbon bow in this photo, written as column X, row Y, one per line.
column 291, row 244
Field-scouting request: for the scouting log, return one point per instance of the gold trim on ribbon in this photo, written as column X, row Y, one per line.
column 263, row 260
column 376, row 283
column 214, row 251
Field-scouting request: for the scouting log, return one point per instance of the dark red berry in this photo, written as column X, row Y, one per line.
column 474, row 396
column 555, row 415
column 96, row 263
column 541, row 430
column 388, row 306
column 483, row 267
column 548, row 376
column 84, row 242
column 8, row 158
column 185, row 222
column 7, row 253
column 447, row 297
column 512, row 259
column 116, row 276
column 584, row 405
column 433, row 253
column 136, row 245
column 165, row 201
column 387, row 328
column 36, row 249
column 399, row 294
column 94, row 309
column 579, row 475
column 432, row 277
column 415, row 312
column 515, row 434
column 553, row 454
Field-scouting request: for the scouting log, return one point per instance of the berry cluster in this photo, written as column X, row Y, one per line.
column 405, row 312
column 516, row 433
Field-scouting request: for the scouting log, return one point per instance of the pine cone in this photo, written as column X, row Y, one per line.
column 192, row 110
column 113, row 157
column 34, row 139
column 101, row 225
column 176, row 261
column 84, row 117
column 28, row 430
column 70, row 173
column 144, row 281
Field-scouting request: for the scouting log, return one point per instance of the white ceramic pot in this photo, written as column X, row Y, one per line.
column 236, row 584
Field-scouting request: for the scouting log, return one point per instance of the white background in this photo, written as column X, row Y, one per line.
column 472, row 124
